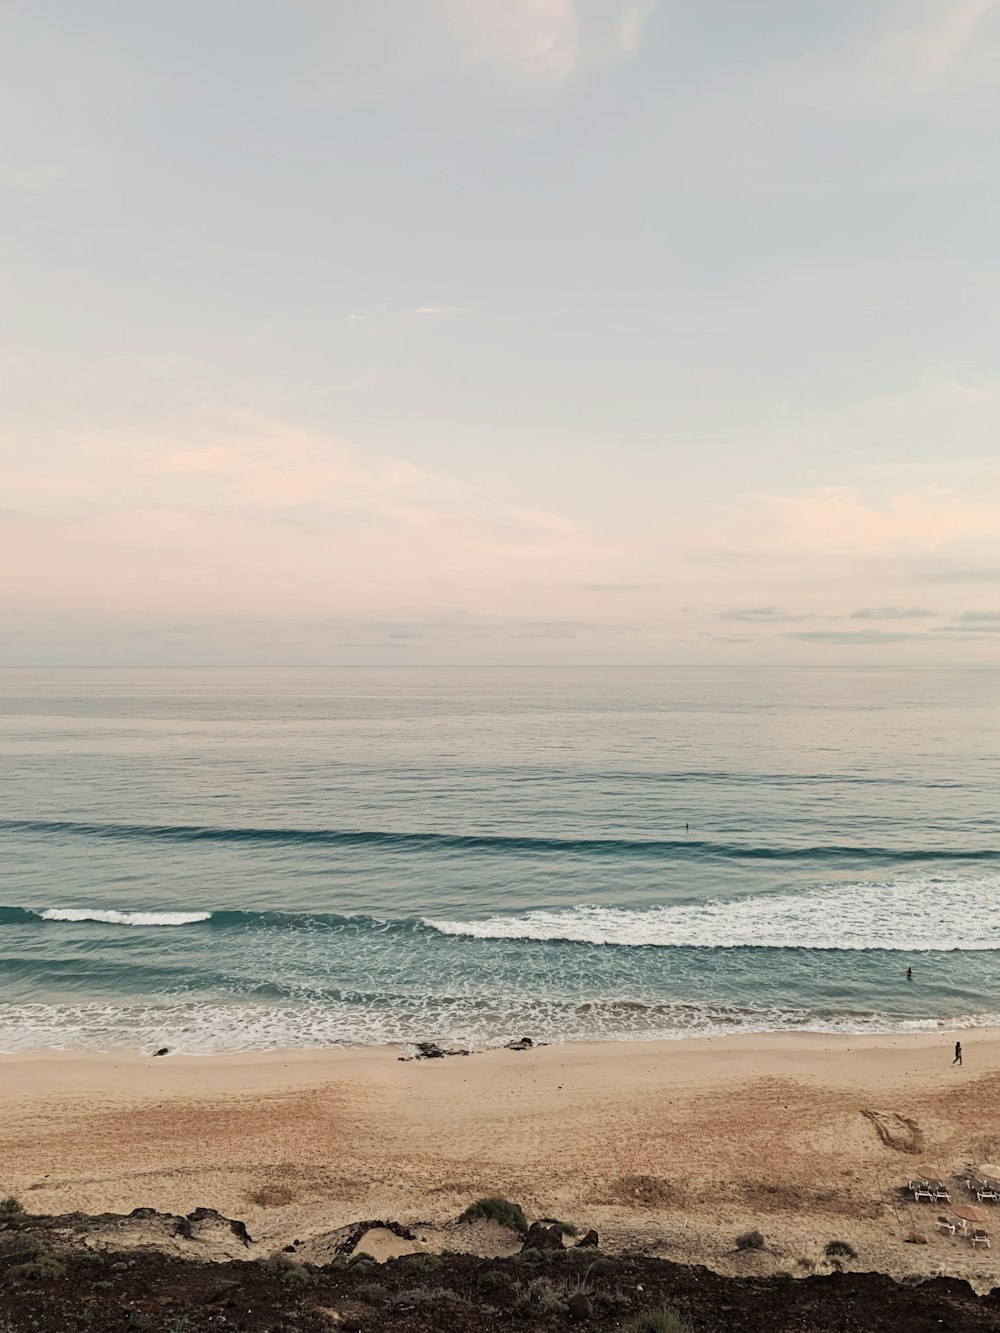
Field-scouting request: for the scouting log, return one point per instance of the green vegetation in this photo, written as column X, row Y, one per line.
column 421, row 1263
column 11, row 1207
column 501, row 1211
column 43, row 1267
column 664, row 1320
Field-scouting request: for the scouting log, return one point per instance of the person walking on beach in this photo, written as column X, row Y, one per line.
column 958, row 1053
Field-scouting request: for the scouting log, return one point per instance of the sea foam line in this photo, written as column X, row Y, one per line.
column 207, row 1029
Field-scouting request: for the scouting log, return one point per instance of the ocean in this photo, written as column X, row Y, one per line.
column 248, row 859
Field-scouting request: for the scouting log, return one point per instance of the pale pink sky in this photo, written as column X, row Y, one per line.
column 449, row 331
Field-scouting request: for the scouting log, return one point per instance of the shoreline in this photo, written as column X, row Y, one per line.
column 674, row 1146
column 764, row 1041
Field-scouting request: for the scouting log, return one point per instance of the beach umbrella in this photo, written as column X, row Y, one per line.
column 929, row 1172
column 968, row 1212
column 987, row 1169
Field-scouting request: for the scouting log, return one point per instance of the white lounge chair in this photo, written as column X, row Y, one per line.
column 943, row 1224
column 923, row 1195
column 979, row 1237
column 942, row 1195
column 987, row 1195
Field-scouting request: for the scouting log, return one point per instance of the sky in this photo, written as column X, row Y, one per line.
column 499, row 331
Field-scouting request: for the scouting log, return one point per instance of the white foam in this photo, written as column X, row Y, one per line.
column 917, row 913
column 208, row 1029
column 113, row 918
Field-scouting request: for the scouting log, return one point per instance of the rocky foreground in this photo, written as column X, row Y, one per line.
column 113, row 1273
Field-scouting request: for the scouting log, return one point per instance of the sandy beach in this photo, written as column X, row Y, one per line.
column 673, row 1146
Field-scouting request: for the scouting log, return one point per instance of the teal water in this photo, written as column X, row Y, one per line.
column 244, row 859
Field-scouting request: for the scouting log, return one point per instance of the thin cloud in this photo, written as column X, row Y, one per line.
column 361, row 317
column 349, row 386
column 899, row 60
column 632, row 25
column 893, row 613
column 545, row 41
column 436, row 310
column 762, row 615
column 614, row 587
column 852, row 636
column 978, row 617
column 987, row 574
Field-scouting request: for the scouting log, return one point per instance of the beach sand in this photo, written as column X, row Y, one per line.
column 673, row 1146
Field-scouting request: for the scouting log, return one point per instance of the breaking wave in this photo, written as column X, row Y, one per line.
column 914, row 913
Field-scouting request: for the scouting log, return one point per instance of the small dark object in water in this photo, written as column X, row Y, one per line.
column 164, row 1050
column 524, row 1044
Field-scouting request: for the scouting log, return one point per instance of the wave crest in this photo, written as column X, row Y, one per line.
column 911, row 914
column 530, row 844
column 113, row 918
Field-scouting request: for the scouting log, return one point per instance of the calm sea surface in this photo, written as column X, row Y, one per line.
column 237, row 859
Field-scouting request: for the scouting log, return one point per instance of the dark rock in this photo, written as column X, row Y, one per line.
column 164, row 1050
column 580, row 1306
column 541, row 1237
column 430, row 1050
column 524, row 1044
column 289, row 1249
column 590, row 1241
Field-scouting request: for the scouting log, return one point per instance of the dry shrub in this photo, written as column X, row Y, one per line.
column 750, row 1240
column 840, row 1249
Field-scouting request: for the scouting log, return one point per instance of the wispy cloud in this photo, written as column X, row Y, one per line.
column 633, row 22
column 361, row 317
column 893, row 613
column 985, row 574
column 898, row 58
column 613, row 587
column 545, row 40
column 252, row 513
column 762, row 615
column 852, row 636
